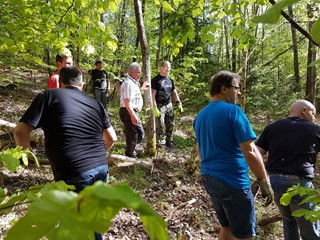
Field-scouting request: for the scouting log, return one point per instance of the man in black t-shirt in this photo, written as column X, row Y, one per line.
column 77, row 131
column 162, row 90
column 77, row 128
column 292, row 145
column 101, row 83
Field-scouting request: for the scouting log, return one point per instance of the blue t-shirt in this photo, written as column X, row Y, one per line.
column 220, row 127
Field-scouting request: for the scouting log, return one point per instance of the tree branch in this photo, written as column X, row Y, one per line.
column 66, row 12
column 296, row 25
column 283, row 52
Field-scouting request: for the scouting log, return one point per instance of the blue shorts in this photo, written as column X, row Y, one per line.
column 234, row 207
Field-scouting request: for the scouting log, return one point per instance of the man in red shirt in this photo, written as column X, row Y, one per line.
column 61, row 60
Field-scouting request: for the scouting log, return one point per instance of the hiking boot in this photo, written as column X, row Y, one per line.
column 169, row 144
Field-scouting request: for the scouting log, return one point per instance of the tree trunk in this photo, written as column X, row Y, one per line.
column 295, row 54
column 160, row 38
column 234, row 55
column 151, row 137
column 311, row 71
column 226, row 35
column 48, row 59
column 120, row 36
column 243, row 79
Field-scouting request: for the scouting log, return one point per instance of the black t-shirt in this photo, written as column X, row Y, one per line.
column 73, row 124
column 99, row 78
column 293, row 144
column 164, row 87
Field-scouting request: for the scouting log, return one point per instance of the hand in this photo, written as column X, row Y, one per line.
column 156, row 112
column 145, row 86
column 180, row 107
column 266, row 191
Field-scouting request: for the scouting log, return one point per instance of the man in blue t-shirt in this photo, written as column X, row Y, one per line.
column 225, row 147
column 292, row 145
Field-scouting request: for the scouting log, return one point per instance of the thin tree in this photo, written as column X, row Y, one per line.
column 151, row 137
column 160, row 37
column 312, row 55
column 295, row 54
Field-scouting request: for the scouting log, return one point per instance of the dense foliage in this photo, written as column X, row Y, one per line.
column 199, row 37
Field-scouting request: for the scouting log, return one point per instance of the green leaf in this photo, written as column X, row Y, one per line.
column 9, row 42
column 49, row 212
column 315, row 31
column 286, row 199
column 236, row 33
column 58, row 214
column 119, row 196
column 113, row 7
column 8, row 205
column 10, row 162
column 317, row 62
column 175, row 51
column 2, row 195
column 167, row 7
column 273, row 14
column 176, row 3
column 24, row 158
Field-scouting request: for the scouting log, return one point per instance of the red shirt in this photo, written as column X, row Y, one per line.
column 53, row 81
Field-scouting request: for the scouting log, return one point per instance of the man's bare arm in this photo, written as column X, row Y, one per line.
column 254, row 159
column 109, row 137
column 22, row 133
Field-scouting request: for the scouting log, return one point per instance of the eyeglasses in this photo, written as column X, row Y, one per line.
column 235, row 87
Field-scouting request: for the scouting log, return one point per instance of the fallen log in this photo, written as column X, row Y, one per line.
column 268, row 220
column 122, row 161
column 37, row 135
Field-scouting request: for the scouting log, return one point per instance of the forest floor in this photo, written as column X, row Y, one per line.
column 170, row 183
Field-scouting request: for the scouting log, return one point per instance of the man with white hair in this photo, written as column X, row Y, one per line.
column 292, row 145
column 131, row 103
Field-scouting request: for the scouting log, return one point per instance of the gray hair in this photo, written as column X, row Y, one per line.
column 134, row 66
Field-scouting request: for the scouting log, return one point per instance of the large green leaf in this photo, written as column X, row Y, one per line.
column 273, row 14
column 66, row 215
column 10, row 162
column 315, row 31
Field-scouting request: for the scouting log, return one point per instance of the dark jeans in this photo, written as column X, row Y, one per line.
column 134, row 133
column 89, row 178
column 291, row 225
column 165, row 123
column 101, row 96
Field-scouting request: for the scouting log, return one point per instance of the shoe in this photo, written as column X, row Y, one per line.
column 162, row 142
column 133, row 155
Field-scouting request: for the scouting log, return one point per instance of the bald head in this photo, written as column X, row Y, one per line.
column 304, row 109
